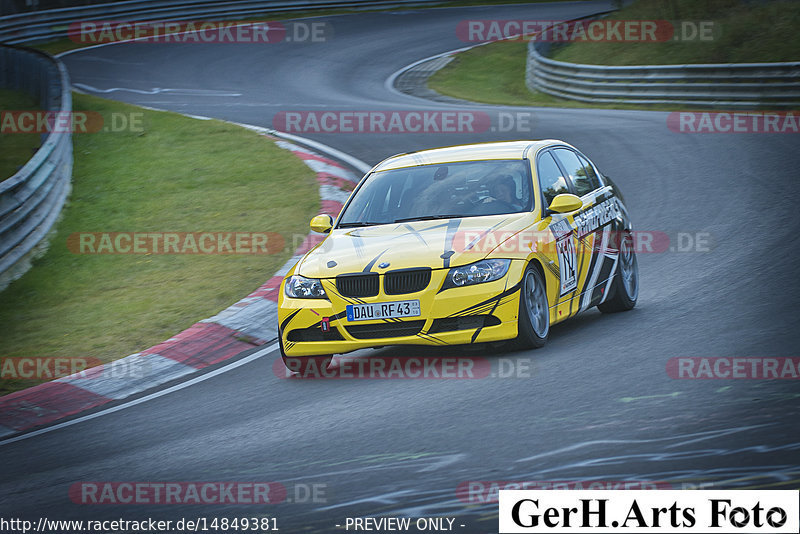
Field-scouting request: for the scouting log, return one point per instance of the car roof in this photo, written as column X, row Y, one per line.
column 471, row 152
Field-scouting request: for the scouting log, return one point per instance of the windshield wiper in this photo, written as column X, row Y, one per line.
column 428, row 218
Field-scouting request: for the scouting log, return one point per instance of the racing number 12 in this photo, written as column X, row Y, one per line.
column 566, row 263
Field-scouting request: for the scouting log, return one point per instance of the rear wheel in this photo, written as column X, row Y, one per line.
column 534, row 310
column 625, row 286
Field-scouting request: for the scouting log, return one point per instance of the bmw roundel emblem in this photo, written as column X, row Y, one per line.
column 383, row 265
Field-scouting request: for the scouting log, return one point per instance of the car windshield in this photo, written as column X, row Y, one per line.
column 442, row 191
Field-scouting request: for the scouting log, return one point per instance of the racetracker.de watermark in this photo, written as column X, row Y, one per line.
column 488, row 491
column 76, row 122
column 590, row 30
column 402, row 121
column 180, row 493
column 209, row 243
column 44, row 368
column 741, row 368
column 734, row 122
column 200, row 31
column 406, row 368
column 642, row 241
column 76, row 368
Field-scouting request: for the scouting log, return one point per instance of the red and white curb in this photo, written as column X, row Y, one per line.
column 248, row 323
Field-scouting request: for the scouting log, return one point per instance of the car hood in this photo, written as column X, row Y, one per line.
column 437, row 244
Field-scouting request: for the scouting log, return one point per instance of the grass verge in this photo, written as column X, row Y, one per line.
column 177, row 174
column 740, row 33
column 16, row 148
column 495, row 73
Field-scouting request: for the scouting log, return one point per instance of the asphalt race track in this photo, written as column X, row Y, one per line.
column 598, row 403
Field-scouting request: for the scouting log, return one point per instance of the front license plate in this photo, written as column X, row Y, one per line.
column 383, row 310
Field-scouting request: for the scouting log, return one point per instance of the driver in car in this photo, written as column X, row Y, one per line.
column 503, row 189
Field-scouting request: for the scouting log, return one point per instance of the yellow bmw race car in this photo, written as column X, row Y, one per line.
column 457, row 245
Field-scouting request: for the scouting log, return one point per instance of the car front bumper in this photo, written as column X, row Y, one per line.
column 461, row 315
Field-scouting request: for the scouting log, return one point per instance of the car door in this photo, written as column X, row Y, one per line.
column 554, row 181
column 593, row 222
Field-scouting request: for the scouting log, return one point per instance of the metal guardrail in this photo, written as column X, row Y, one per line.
column 31, row 200
column 736, row 85
column 54, row 23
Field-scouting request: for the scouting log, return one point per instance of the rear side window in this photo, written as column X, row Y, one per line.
column 550, row 178
column 581, row 179
column 590, row 172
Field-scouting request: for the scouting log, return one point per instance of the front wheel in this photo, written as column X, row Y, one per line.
column 625, row 286
column 534, row 311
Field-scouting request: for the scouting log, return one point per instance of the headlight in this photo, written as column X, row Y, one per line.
column 476, row 273
column 300, row 287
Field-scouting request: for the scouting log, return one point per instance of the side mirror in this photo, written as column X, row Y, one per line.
column 322, row 224
column 565, row 202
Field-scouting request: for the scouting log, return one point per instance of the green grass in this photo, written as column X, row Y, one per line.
column 467, row 77
column 178, row 174
column 743, row 33
column 495, row 73
column 16, row 148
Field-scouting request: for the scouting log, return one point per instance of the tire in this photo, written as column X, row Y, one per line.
column 534, row 311
column 625, row 286
column 305, row 366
